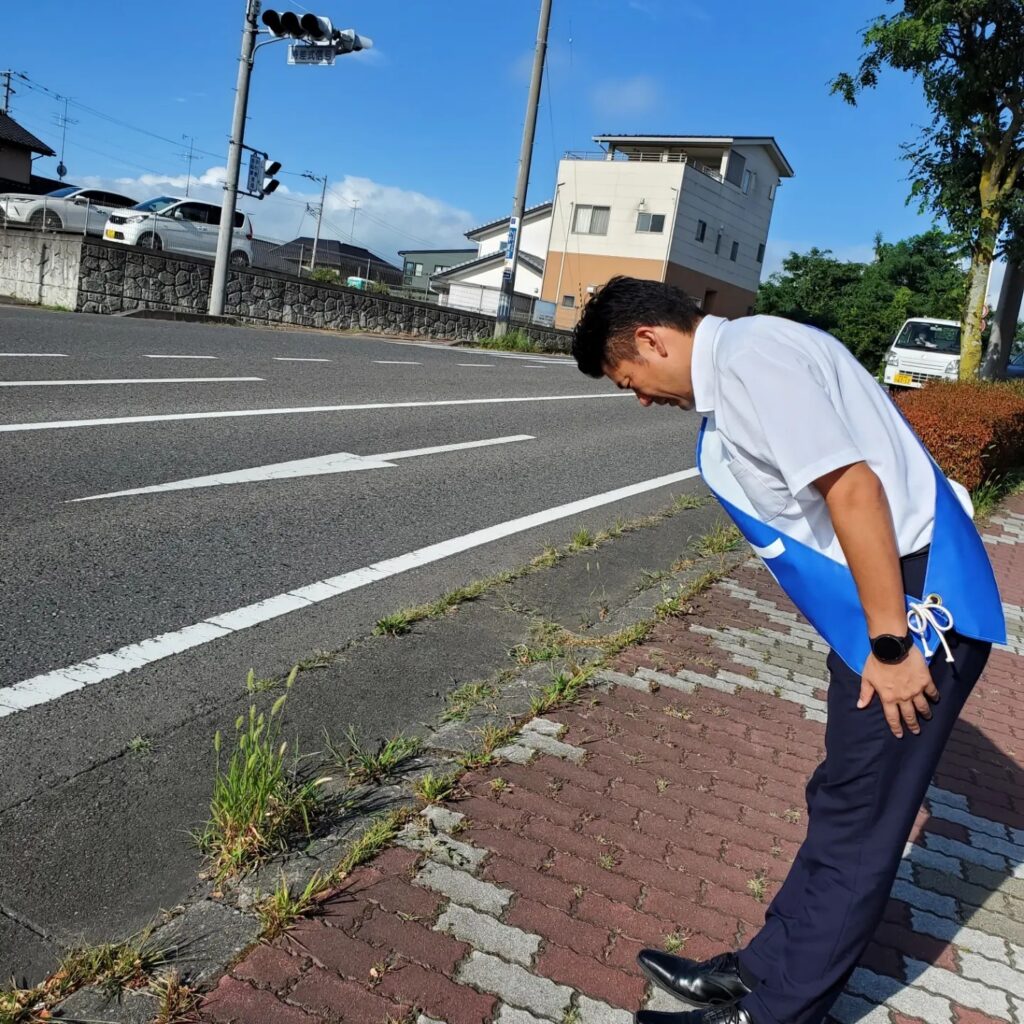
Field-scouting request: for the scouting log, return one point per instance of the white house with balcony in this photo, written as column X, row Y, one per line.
column 691, row 210
column 476, row 284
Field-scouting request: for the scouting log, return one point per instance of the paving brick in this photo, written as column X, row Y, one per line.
column 481, row 810
column 516, row 986
column 543, row 806
column 966, row 1015
column 552, row 891
column 585, row 974
column 487, row 935
column 960, row 989
column 593, row 1011
column 689, row 916
column 412, row 940
column 913, row 1001
column 611, row 916
column 737, row 905
column 437, row 995
column 332, row 949
column 510, row 1015
column 268, row 967
column 403, row 897
column 512, row 845
column 327, row 995
column 234, row 1001
column 595, row 878
column 556, row 927
column 988, row 973
column 442, row 848
column 628, row 838
column 396, row 861
column 464, row 888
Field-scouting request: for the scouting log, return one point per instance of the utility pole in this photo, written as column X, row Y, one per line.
column 355, row 210
column 319, row 214
column 508, row 275
column 188, row 158
column 227, row 216
column 63, row 121
column 8, row 91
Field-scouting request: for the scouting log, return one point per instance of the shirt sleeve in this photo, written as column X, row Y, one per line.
column 782, row 412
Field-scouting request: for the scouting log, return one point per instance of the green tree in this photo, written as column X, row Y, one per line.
column 969, row 57
column 864, row 304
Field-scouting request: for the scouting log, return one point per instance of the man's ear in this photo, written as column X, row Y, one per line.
column 649, row 341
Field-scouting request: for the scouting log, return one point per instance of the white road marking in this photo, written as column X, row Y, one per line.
column 156, row 356
column 126, row 380
column 319, row 465
column 396, row 362
column 14, row 428
column 474, row 364
column 51, row 685
column 299, row 359
column 34, row 355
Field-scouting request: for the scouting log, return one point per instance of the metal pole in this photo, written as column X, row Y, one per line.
column 508, row 277
column 355, row 210
column 319, row 221
column 227, row 216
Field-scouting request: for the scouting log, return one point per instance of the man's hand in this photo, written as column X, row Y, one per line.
column 904, row 690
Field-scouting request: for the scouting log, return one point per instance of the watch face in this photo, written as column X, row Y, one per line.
column 888, row 648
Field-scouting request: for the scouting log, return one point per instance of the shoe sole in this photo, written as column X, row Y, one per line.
column 676, row 995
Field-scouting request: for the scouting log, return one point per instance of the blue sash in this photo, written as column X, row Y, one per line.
column 959, row 573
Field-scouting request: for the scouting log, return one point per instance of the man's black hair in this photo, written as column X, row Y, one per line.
column 605, row 332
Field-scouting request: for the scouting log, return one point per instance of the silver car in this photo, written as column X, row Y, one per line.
column 82, row 210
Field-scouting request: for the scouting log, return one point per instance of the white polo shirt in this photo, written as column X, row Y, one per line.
column 790, row 404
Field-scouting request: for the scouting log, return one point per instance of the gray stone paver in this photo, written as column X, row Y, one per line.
column 487, row 935
column 592, row 1011
column 510, row 1015
column 959, row 989
column 442, row 848
column 912, row 1001
column 463, row 888
column 515, row 985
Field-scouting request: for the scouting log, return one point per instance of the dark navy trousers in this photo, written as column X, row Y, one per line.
column 861, row 804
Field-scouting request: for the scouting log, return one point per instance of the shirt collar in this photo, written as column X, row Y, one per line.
column 702, row 363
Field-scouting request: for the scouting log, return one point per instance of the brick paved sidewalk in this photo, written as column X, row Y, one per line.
column 664, row 809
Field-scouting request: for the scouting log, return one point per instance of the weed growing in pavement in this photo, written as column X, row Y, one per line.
column 282, row 908
column 363, row 764
column 140, row 745
column 719, row 540
column 606, row 861
column 758, row 886
column 513, row 341
column 259, row 799
column 987, row 497
column 318, row 659
column 498, row 785
column 466, row 697
column 432, row 789
column 177, row 1002
column 674, row 942
column 651, row 578
column 563, row 689
column 254, row 685
column 582, row 539
column 393, row 625
column 381, row 833
column 685, row 502
column 571, row 1016
column 662, row 784
column 491, row 738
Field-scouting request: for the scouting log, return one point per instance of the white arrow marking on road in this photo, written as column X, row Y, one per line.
column 13, row 428
column 319, row 465
column 127, row 380
column 51, row 685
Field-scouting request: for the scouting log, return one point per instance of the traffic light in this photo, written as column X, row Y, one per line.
column 347, row 40
column 317, row 29
column 310, row 28
column 261, row 180
column 270, row 183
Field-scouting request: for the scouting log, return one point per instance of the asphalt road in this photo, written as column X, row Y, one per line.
column 79, row 579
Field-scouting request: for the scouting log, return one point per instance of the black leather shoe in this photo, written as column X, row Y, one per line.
column 731, row 1014
column 714, row 982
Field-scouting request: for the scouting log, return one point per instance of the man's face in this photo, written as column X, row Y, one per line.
column 659, row 373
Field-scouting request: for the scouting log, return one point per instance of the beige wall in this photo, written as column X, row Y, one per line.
column 15, row 164
column 578, row 271
column 715, row 296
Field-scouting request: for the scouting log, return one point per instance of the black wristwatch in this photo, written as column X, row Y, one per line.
column 890, row 649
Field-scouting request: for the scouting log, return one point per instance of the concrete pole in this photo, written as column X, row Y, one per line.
column 227, row 215
column 319, row 221
column 1004, row 324
column 508, row 277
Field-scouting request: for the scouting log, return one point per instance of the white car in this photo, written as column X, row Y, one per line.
column 180, row 225
column 924, row 349
column 84, row 210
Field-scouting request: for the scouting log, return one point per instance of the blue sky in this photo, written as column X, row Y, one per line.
column 423, row 131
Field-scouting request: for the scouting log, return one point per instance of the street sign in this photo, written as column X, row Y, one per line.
column 255, row 183
column 312, row 54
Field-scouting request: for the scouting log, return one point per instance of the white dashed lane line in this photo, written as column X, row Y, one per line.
column 474, row 364
column 34, row 355
column 161, row 356
column 126, row 380
column 396, row 362
column 299, row 359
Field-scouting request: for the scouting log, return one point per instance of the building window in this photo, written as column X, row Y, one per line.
column 568, row 301
column 419, row 269
column 652, row 222
column 734, row 251
column 760, row 253
column 718, row 243
column 440, row 269
column 702, row 230
column 410, row 268
column 591, row 220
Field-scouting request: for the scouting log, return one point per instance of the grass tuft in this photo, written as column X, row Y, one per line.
column 363, row 764
column 463, row 699
column 719, row 540
column 259, row 801
column 393, row 625
column 279, row 911
column 177, row 1002
column 432, row 789
column 513, row 341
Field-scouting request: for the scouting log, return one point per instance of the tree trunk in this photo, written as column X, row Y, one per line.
column 1004, row 326
column 970, row 334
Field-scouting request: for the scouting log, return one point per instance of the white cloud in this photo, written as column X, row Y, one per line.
column 626, row 97
column 388, row 218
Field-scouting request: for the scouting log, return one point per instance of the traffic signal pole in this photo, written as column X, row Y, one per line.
column 227, row 215
column 515, row 228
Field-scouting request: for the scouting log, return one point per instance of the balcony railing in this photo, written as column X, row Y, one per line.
column 647, row 157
